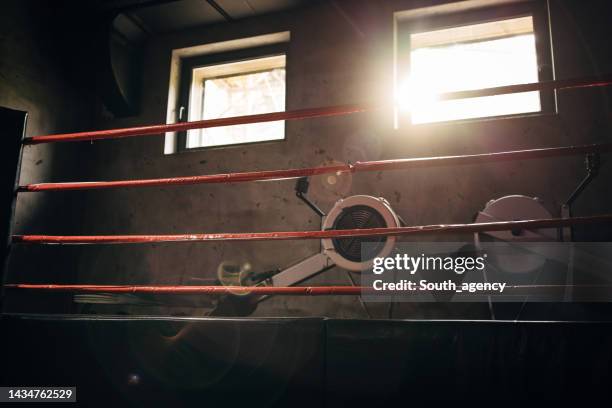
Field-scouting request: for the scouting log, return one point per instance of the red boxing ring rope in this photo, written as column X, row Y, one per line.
column 396, row 164
column 294, row 173
column 201, row 124
column 248, row 290
column 200, row 290
column 309, row 113
column 296, row 235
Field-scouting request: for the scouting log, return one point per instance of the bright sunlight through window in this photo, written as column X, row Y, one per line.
column 236, row 89
column 471, row 57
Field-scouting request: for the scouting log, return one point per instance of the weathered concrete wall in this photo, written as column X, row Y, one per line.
column 337, row 54
column 34, row 77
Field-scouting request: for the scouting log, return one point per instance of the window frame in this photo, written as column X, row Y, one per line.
column 186, row 77
column 538, row 10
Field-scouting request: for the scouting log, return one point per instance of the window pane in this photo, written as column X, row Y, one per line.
column 474, row 65
column 238, row 95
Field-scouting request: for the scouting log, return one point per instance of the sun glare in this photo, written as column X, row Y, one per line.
column 414, row 95
column 437, row 66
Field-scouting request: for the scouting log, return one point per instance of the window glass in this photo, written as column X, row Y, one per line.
column 471, row 57
column 247, row 88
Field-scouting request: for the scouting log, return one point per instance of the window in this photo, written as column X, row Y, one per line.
column 243, row 86
column 468, row 57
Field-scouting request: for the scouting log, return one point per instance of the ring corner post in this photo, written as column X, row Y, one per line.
column 12, row 133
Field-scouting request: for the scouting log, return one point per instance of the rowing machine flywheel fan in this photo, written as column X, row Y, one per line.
column 511, row 255
column 359, row 212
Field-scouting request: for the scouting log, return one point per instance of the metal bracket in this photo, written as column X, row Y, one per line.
column 301, row 189
column 593, row 164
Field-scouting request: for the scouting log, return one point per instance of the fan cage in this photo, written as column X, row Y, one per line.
column 359, row 217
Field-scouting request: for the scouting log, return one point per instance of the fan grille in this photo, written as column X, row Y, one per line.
column 359, row 217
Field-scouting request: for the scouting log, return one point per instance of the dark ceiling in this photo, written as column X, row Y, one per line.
column 148, row 17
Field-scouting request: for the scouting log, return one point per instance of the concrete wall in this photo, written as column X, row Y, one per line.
column 36, row 76
column 339, row 53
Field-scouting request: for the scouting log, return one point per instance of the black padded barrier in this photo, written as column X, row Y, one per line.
column 175, row 362
column 117, row 362
column 468, row 362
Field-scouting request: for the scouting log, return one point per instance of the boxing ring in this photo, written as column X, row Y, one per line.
column 253, row 176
